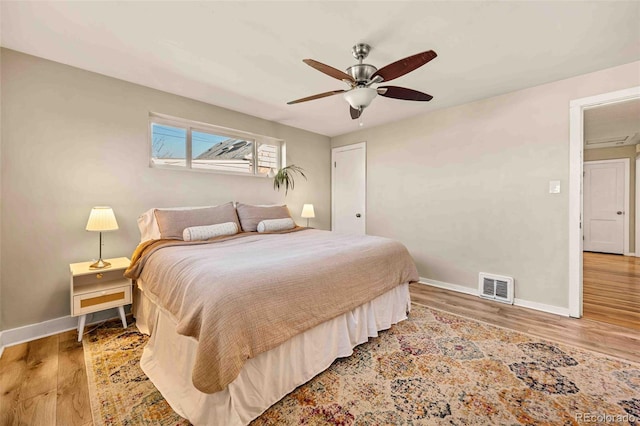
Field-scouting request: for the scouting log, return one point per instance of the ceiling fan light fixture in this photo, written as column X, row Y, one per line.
column 360, row 97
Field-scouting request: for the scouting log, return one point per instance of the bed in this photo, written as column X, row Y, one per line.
column 238, row 321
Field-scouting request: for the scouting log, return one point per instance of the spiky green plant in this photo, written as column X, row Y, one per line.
column 285, row 178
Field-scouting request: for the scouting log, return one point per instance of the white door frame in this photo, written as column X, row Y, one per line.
column 576, row 148
column 362, row 145
column 627, row 184
column 637, row 246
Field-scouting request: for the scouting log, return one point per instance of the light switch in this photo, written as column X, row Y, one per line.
column 554, row 187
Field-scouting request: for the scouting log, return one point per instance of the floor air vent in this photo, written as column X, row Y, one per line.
column 496, row 287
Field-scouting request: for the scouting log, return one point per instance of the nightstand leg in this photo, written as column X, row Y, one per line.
column 81, row 321
column 122, row 317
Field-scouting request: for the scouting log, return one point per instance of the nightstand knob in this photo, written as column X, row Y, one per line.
column 99, row 276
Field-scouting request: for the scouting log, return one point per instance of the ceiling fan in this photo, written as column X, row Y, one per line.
column 362, row 76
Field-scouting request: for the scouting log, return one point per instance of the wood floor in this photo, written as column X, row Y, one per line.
column 611, row 289
column 44, row 382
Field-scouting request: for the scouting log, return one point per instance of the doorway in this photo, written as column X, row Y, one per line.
column 349, row 188
column 578, row 108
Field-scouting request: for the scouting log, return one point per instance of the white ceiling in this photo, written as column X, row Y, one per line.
column 612, row 122
column 247, row 56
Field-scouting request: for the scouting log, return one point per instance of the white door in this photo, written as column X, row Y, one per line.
column 349, row 186
column 604, row 203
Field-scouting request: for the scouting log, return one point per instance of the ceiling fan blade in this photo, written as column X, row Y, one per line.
column 330, row 71
column 318, row 96
column 403, row 66
column 403, row 93
column 355, row 113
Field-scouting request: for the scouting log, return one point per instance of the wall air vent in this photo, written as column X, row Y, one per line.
column 496, row 287
column 616, row 140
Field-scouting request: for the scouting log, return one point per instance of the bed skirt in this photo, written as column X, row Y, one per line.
column 168, row 359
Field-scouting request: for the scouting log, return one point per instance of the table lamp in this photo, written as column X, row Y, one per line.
column 307, row 212
column 101, row 219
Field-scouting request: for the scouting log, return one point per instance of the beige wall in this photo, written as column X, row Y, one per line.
column 72, row 139
column 467, row 188
column 612, row 154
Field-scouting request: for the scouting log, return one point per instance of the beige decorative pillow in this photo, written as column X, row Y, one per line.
column 250, row 215
column 148, row 225
column 275, row 225
column 172, row 223
column 201, row 233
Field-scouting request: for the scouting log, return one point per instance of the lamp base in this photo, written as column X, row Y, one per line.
column 100, row 264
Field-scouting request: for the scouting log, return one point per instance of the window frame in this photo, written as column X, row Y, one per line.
column 191, row 125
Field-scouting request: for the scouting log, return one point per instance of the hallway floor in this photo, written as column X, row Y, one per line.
column 611, row 289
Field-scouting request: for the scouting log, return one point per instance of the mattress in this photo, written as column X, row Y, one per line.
column 169, row 357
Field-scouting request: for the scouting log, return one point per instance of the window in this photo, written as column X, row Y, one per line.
column 183, row 144
column 169, row 145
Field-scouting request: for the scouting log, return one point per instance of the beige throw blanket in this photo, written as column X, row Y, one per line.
column 243, row 296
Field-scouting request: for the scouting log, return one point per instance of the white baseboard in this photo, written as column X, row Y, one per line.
column 631, row 254
column 39, row 330
column 557, row 310
column 30, row 332
column 448, row 286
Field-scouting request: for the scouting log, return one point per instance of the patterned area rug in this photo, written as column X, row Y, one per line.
column 435, row 368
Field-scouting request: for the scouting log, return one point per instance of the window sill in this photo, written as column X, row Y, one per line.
column 210, row 172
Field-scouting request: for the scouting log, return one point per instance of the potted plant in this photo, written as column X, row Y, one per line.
column 285, row 177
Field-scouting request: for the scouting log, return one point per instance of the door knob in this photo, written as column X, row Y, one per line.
column 618, row 212
column 357, row 214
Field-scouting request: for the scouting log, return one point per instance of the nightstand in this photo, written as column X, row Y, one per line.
column 94, row 290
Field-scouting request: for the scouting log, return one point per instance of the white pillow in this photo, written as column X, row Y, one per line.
column 201, row 233
column 274, row 225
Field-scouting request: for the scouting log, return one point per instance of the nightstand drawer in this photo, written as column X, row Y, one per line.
column 98, row 277
column 100, row 300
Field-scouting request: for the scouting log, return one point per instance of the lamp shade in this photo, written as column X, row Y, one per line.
column 360, row 97
column 307, row 211
column 102, row 219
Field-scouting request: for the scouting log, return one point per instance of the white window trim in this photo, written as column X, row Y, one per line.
column 190, row 125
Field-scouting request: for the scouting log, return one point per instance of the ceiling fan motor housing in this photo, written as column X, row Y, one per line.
column 361, row 73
